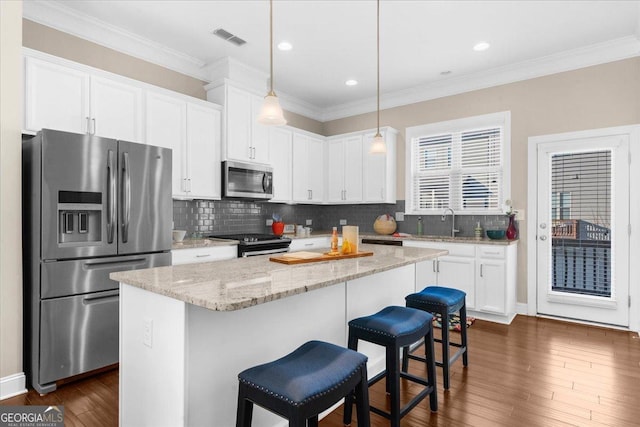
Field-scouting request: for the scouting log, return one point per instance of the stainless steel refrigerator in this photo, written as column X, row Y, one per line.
column 91, row 206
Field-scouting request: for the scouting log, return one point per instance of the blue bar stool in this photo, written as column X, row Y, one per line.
column 304, row 383
column 445, row 301
column 395, row 328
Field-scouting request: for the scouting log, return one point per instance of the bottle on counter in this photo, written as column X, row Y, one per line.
column 334, row 240
column 478, row 231
column 419, row 226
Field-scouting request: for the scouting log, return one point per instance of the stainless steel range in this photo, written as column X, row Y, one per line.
column 257, row 244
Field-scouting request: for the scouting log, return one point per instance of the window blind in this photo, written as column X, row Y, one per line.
column 462, row 170
column 581, row 210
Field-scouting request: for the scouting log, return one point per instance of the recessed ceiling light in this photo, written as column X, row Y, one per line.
column 479, row 47
column 444, row 73
column 285, row 45
column 351, row 82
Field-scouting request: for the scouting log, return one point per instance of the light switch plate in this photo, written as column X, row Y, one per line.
column 520, row 215
column 343, row 222
column 309, row 222
column 399, row 216
column 269, row 222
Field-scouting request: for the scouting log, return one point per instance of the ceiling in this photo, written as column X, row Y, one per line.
column 426, row 47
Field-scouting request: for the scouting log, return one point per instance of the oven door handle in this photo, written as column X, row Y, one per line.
column 265, row 252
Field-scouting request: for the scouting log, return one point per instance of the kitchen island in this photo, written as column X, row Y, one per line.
column 187, row 331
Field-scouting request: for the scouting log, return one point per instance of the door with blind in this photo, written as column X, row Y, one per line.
column 583, row 237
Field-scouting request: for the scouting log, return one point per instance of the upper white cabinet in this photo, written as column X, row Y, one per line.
column 244, row 138
column 344, row 159
column 64, row 98
column 380, row 169
column 192, row 131
column 280, row 140
column 308, row 168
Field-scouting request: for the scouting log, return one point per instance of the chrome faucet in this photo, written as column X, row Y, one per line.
column 453, row 221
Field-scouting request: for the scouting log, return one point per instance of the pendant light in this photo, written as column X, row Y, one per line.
column 271, row 113
column 378, row 146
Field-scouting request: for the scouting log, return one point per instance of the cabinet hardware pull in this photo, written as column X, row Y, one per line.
column 481, row 270
column 88, row 124
column 434, row 265
column 203, row 256
column 94, row 125
column 438, row 266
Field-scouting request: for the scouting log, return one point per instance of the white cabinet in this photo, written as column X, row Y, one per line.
column 280, row 140
column 192, row 131
column 64, row 98
column 308, row 168
column 380, row 169
column 487, row 273
column 344, row 169
column 207, row 254
column 244, row 138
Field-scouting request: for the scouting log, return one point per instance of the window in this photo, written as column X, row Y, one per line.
column 560, row 205
column 459, row 164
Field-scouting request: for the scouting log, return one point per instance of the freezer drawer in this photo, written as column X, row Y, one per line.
column 81, row 276
column 78, row 334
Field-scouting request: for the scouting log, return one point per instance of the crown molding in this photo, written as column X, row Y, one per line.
column 600, row 53
column 56, row 15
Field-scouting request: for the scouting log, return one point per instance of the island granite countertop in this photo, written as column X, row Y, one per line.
column 244, row 282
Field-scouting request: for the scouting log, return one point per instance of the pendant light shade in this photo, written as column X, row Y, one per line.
column 271, row 112
column 378, row 145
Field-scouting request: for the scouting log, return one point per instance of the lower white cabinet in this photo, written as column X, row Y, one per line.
column 486, row 273
column 208, row 254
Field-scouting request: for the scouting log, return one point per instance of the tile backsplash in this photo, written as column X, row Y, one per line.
column 203, row 217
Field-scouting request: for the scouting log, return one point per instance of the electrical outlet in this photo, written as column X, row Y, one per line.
column 269, row 222
column 520, row 215
column 343, row 222
column 399, row 216
column 147, row 333
column 309, row 222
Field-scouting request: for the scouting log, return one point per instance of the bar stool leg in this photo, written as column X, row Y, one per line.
column 245, row 410
column 362, row 399
column 393, row 384
column 463, row 333
column 348, row 401
column 430, row 361
column 313, row 421
column 444, row 315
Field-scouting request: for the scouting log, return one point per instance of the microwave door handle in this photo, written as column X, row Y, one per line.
column 111, row 196
column 126, row 198
column 265, row 182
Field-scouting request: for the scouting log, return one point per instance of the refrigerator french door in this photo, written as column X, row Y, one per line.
column 91, row 206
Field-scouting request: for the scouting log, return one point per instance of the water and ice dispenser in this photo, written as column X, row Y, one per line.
column 79, row 217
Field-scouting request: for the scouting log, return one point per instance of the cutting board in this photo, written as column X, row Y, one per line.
column 303, row 257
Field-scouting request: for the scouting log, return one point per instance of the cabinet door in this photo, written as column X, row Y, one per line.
column 259, row 133
column 280, row 140
column 238, row 125
column 491, row 286
column 300, row 169
column 56, row 97
column 116, row 110
column 353, row 172
column 315, row 167
column 166, row 127
column 458, row 273
column 426, row 274
column 335, row 159
column 203, row 152
column 375, row 173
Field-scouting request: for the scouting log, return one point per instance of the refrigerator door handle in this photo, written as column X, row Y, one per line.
column 126, row 198
column 94, row 265
column 101, row 297
column 111, row 198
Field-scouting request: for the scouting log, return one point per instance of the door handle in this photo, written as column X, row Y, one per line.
column 111, row 196
column 126, row 197
column 105, row 297
column 543, row 238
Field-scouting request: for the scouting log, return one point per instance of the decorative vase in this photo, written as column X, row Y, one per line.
column 512, row 231
column 277, row 228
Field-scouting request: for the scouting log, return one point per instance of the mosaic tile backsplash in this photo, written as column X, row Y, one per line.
column 204, row 217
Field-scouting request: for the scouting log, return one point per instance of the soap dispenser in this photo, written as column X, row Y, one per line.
column 478, row 231
column 419, row 226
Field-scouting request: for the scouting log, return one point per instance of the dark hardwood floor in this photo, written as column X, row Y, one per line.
column 534, row 372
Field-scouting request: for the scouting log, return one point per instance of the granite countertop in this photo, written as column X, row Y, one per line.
column 426, row 238
column 202, row 243
column 244, row 282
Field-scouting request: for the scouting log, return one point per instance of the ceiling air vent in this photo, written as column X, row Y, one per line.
column 224, row 34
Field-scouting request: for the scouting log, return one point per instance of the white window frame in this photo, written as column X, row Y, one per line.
column 502, row 119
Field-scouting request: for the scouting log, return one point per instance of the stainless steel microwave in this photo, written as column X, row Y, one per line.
column 242, row 180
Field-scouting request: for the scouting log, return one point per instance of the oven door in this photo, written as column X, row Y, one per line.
column 247, row 180
column 256, row 252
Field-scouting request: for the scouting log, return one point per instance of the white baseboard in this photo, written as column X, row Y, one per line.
column 12, row 385
column 522, row 308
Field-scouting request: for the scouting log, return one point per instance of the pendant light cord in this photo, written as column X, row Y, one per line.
column 378, row 64
column 271, row 47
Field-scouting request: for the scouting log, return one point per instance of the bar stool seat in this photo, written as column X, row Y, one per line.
column 304, row 383
column 395, row 328
column 444, row 301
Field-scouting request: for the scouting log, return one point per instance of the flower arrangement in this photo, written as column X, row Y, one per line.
column 276, row 217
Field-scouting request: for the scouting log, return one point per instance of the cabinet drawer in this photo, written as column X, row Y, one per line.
column 309, row 243
column 455, row 249
column 491, row 251
column 196, row 255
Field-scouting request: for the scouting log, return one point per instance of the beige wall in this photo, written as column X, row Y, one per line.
column 10, row 190
column 589, row 98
